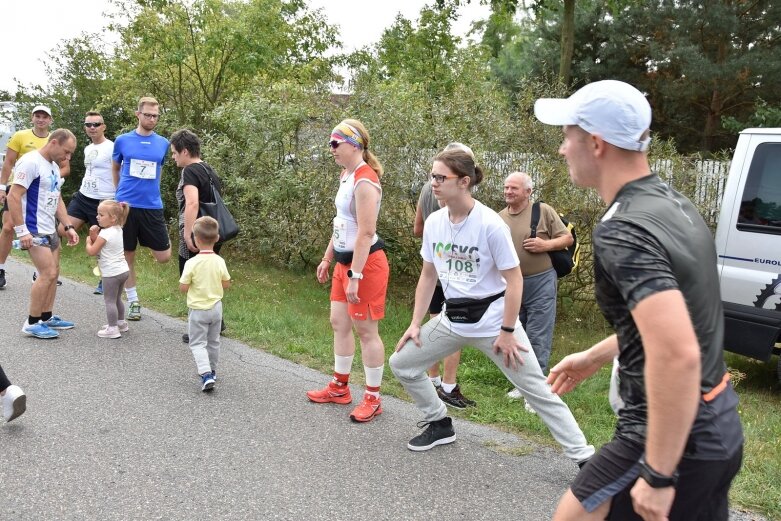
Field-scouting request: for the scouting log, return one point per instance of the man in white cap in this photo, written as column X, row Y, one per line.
column 22, row 142
column 678, row 442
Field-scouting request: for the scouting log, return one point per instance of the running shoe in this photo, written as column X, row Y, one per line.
column 14, row 402
column 58, row 323
column 99, row 288
column 438, row 432
column 122, row 325
column 134, row 311
column 454, row 398
column 39, row 330
column 370, row 407
column 331, row 393
column 207, row 382
column 2, row 279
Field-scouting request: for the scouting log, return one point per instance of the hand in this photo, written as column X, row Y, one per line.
column 535, row 245
column 653, row 504
column 26, row 241
column 572, row 370
column 188, row 241
column 73, row 237
column 510, row 348
column 412, row 333
column 322, row 271
column 352, row 291
column 94, row 230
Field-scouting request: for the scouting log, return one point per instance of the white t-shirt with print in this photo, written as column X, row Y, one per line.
column 468, row 257
column 98, row 181
column 111, row 258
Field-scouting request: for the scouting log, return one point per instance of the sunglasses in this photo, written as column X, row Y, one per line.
column 92, row 125
column 442, row 178
column 335, row 144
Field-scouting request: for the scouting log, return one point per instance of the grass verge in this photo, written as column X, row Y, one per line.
column 286, row 314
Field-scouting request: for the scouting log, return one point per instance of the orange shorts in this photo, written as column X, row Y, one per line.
column 371, row 288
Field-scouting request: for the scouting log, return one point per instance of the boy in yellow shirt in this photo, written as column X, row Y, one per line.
column 204, row 278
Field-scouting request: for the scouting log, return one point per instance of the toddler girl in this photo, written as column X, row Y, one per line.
column 106, row 239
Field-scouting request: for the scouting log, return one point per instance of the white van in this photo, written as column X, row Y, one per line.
column 748, row 244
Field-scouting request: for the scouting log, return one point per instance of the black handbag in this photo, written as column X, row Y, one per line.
column 217, row 209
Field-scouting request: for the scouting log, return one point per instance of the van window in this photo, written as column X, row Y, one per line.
column 760, row 206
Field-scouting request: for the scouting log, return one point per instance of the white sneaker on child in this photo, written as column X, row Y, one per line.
column 109, row 332
column 14, row 402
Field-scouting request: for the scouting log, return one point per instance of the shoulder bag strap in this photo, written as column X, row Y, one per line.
column 535, row 219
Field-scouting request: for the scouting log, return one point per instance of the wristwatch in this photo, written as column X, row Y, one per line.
column 655, row 479
column 354, row 275
column 67, row 227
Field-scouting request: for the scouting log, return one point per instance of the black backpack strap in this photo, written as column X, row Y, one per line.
column 535, row 219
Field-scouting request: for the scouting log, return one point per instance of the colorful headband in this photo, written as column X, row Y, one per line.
column 349, row 134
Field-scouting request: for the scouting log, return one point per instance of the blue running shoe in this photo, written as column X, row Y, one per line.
column 207, row 382
column 99, row 289
column 57, row 323
column 39, row 330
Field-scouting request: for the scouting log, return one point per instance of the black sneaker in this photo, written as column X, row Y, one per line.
column 2, row 279
column 439, row 432
column 455, row 399
column 186, row 338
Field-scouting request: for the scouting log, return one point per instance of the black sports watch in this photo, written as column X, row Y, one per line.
column 67, row 227
column 354, row 275
column 655, row 479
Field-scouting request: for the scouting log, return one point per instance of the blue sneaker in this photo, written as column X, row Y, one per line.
column 57, row 323
column 39, row 330
column 207, row 381
column 99, row 289
column 214, row 375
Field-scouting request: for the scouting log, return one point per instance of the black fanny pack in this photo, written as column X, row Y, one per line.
column 346, row 257
column 468, row 310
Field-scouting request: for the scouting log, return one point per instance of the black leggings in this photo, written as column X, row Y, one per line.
column 4, row 381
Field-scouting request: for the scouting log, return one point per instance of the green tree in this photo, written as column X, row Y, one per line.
column 194, row 56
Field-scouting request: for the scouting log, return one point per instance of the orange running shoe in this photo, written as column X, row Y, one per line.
column 331, row 393
column 370, row 407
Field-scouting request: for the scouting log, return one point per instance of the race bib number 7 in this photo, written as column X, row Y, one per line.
column 143, row 169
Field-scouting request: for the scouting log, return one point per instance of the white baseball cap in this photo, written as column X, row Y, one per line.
column 613, row 110
column 42, row 108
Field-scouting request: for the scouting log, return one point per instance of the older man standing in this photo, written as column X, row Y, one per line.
column 22, row 142
column 678, row 442
column 34, row 201
column 538, row 307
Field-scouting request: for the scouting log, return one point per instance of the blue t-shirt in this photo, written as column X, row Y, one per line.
column 141, row 161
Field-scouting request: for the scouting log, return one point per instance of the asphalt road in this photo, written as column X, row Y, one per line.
column 119, row 430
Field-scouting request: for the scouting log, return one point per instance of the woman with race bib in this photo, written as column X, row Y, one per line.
column 468, row 248
column 360, row 278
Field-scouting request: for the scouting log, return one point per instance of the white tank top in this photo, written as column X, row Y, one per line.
column 346, row 221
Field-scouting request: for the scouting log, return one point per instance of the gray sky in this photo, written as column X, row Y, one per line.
column 32, row 29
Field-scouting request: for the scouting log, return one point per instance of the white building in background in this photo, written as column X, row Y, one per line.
column 7, row 126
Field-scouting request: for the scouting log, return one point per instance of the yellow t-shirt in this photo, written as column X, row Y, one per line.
column 204, row 273
column 25, row 141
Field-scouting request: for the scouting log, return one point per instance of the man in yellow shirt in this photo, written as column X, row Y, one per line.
column 20, row 143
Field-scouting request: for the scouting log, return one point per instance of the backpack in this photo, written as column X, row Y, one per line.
column 564, row 261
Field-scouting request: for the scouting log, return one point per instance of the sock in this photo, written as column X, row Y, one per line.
column 46, row 315
column 31, row 320
column 132, row 295
column 373, row 379
column 436, row 380
column 343, row 364
column 341, row 379
column 448, row 388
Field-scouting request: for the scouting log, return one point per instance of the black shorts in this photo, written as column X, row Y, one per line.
column 437, row 300
column 147, row 228
column 84, row 208
column 701, row 493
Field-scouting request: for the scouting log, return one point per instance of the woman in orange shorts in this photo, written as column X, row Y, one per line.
column 360, row 278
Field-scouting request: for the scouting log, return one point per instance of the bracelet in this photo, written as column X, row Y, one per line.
column 507, row 329
column 67, row 227
column 326, row 260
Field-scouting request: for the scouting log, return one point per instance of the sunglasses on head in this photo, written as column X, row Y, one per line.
column 92, row 125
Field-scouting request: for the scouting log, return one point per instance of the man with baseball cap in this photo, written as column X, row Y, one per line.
column 678, row 442
column 22, row 142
